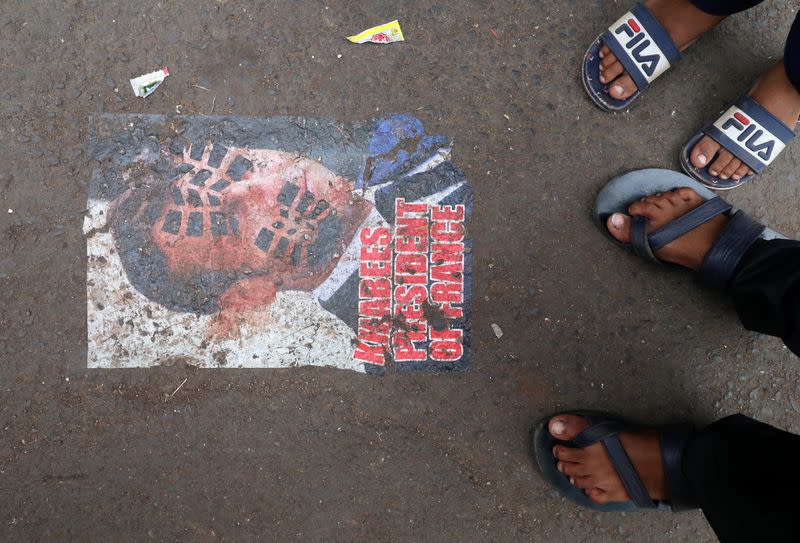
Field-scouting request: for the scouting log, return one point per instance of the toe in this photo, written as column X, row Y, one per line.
column 568, row 454
column 566, row 427
column 573, row 469
column 703, row 152
column 622, row 88
column 644, row 208
column 657, row 200
column 688, row 195
column 675, row 197
column 723, row 159
column 598, row 496
column 740, row 172
column 608, row 61
column 619, row 225
column 611, row 73
column 605, row 53
column 731, row 168
column 582, row 482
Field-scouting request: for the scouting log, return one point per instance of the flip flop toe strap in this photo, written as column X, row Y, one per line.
column 644, row 244
column 642, row 45
column 607, row 432
column 639, row 239
column 724, row 256
column 751, row 133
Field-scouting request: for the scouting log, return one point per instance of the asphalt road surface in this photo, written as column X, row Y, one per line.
column 310, row 454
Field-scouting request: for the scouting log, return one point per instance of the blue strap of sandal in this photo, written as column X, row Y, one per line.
column 673, row 439
column 642, row 45
column 607, row 432
column 644, row 244
column 751, row 133
column 723, row 258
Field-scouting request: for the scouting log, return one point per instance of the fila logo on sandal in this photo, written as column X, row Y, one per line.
column 631, row 34
column 751, row 136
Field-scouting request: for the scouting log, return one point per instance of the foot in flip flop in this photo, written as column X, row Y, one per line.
column 661, row 209
column 640, row 46
column 668, row 217
column 591, row 469
column 607, row 463
column 683, row 22
column 752, row 132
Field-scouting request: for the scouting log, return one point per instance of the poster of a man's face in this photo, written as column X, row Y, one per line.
column 245, row 242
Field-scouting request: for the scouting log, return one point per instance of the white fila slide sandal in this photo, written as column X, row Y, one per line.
column 749, row 132
column 643, row 47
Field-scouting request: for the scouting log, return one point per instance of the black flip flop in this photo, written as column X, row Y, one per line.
column 605, row 429
column 720, row 262
column 746, row 130
column 642, row 46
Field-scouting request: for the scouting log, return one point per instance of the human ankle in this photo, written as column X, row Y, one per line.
column 777, row 94
column 682, row 20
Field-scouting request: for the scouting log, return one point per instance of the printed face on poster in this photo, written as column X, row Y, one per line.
column 279, row 242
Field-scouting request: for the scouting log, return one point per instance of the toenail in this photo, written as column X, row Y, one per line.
column 560, row 467
column 702, row 159
column 602, row 54
column 559, row 427
column 712, row 172
column 723, row 176
column 572, row 480
column 617, row 89
column 602, row 79
column 737, row 177
column 617, row 221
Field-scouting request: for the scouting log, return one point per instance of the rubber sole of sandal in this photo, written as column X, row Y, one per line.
column 596, row 90
column 542, row 443
column 626, row 189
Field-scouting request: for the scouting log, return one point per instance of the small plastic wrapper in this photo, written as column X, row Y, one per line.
column 388, row 33
column 144, row 85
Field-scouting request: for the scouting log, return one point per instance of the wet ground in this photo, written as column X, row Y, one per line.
column 314, row 454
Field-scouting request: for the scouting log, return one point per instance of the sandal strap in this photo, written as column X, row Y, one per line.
column 607, row 432
column 674, row 438
column 645, row 244
column 639, row 240
column 751, row 133
column 721, row 261
column 688, row 222
column 642, row 45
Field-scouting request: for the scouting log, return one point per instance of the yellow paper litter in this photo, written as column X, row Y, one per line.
column 388, row 33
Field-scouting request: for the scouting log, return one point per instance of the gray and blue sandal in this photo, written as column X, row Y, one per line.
column 605, row 429
column 642, row 46
column 721, row 260
column 749, row 132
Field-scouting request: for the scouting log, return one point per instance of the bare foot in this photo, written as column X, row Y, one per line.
column 688, row 250
column 777, row 95
column 683, row 22
column 591, row 469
